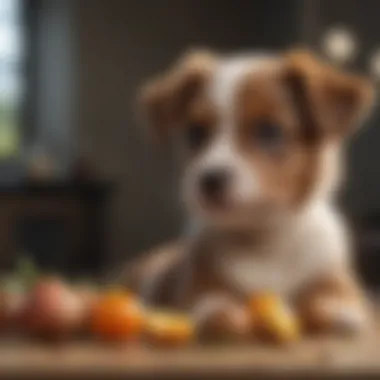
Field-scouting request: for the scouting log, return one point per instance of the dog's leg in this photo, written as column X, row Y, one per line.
column 218, row 310
column 220, row 316
column 334, row 303
column 158, row 287
column 150, row 275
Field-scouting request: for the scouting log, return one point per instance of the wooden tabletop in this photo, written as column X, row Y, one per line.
column 317, row 357
column 321, row 357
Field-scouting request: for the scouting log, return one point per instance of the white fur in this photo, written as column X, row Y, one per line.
column 331, row 172
column 311, row 244
column 223, row 151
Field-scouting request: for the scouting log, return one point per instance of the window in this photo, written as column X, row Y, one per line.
column 11, row 76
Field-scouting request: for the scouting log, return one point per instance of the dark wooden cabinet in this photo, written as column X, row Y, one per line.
column 60, row 226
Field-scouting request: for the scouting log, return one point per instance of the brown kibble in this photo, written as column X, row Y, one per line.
column 274, row 320
column 169, row 329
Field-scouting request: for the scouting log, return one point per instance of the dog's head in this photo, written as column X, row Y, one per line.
column 261, row 134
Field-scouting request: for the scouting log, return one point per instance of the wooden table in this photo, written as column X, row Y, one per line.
column 316, row 358
column 322, row 358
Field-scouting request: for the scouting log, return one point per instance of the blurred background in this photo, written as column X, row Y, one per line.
column 81, row 188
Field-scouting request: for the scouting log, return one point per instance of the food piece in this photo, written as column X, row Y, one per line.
column 169, row 329
column 13, row 293
column 26, row 272
column 11, row 304
column 222, row 319
column 89, row 295
column 53, row 310
column 4, row 315
column 274, row 320
column 332, row 314
column 313, row 315
column 12, row 300
column 117, row 316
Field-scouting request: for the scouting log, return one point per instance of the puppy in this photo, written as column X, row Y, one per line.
column 261, row 139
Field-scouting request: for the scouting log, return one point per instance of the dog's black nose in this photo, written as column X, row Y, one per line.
column 213, row 183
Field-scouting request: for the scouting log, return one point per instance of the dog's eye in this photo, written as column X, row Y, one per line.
column 196, row 135
column 269, row 135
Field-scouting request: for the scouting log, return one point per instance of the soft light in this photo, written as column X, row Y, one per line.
column 340, row 45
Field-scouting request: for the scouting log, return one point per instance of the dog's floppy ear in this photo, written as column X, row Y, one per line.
column 329, row 99
column 164, row 99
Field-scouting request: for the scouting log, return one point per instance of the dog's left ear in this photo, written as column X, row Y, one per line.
column 163, row 100
column 333, row 101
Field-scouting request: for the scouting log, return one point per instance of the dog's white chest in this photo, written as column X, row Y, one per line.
column 251, row 273
column 312, row 248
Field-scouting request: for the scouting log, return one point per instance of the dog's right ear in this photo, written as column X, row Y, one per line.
column 163, row 100
column 330, row 100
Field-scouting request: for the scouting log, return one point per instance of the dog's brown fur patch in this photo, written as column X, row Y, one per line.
column 165, row 99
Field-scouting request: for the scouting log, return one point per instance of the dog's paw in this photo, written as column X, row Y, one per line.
column 221, row 318
column 333, row 314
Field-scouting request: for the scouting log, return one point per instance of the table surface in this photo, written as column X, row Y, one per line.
column 322, row 356
column 319, row 357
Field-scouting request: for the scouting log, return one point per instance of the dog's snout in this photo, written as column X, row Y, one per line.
column 213, row 183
